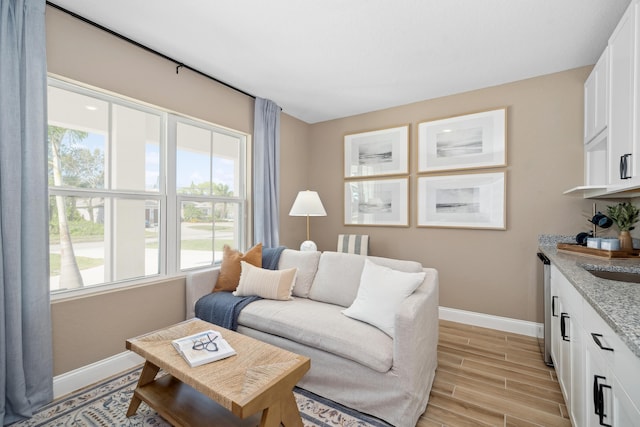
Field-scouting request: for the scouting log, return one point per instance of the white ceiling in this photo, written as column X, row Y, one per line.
column 321, row 60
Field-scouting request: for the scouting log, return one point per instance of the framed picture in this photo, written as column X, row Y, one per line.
column 462, row 201
column 377, row 202
column 471, row 141
column 376, row 153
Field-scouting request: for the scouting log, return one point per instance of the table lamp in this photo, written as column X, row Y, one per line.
column 308, row 204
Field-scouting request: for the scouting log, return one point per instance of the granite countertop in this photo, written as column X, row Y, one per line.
column 618, row 303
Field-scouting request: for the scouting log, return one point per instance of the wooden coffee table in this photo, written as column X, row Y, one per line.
column 254, row 386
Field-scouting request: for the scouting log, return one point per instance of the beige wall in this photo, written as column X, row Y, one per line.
column 92, row 328
column 483, row 271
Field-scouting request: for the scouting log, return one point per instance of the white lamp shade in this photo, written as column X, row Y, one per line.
column 307, row 203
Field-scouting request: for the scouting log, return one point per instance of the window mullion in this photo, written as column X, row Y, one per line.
column 171, row 221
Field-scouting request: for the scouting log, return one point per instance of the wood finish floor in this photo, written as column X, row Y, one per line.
column 492, row 378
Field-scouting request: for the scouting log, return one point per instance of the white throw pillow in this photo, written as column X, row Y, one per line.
column 381, row 292
column 270, row 284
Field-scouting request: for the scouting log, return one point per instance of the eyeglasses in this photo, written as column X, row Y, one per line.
column 201, row 344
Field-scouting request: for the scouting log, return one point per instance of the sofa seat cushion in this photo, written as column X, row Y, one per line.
column 321, row 326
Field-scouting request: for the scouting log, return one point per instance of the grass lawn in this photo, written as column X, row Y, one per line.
column 83, row 263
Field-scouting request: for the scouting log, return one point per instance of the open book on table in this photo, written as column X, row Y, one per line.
column 203, row 347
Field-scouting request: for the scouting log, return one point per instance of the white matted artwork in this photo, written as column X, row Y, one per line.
column 383, row 202
column 463, row 142
column 377, row 153
column 462, row 201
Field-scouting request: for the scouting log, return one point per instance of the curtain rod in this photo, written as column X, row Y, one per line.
column 148, row 49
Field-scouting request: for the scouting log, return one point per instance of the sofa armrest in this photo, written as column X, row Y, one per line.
column 198, row 284
column 416, row 331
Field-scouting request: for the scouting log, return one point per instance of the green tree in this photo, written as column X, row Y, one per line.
column 84, row 169
column 70, row 276
column 220, row 189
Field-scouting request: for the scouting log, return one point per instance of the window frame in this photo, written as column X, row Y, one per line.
column 175, row 199
column 166, row 195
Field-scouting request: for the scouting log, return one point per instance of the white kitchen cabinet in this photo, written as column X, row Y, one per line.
column 612, row 115
column 623, row 148
column 596, row 93
column 598, row 373
column 608, row 403
column 571, row 373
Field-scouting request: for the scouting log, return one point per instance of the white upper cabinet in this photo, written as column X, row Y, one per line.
column 612, row 115
column 624, row 148
column 596, row 94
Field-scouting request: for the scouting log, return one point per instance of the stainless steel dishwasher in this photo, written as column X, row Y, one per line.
column 544, row 283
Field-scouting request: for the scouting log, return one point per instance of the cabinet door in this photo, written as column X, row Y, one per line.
column 564, row 373
column 555, row 319
column 625, row 412
column 573, row 373
column 596, row 100
column 578, row 383
column 601, row 109
column 621, row 101
column 597, row 375
column 590, row 107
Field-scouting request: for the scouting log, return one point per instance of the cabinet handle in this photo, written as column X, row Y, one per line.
column 601, row 414
column 596, row 395
column 563, row 328
column 596, row 338
column 624, row 166
column 553, row 306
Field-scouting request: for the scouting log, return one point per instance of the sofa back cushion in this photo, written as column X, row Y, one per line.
column 338, row 277
column 307, row 264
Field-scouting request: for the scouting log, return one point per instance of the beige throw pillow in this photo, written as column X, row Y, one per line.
column 270, row 284
column 230, row 269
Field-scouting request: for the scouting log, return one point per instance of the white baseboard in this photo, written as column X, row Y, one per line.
column 85, row 376
column 505, row 324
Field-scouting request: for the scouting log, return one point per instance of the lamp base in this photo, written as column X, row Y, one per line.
column 308, row 245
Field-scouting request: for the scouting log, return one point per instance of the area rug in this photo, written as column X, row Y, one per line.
column 105, row 404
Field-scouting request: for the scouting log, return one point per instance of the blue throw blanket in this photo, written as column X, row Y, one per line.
column 223, row 308
column 271, row 257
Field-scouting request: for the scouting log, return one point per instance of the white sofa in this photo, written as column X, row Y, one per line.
column 352, row 362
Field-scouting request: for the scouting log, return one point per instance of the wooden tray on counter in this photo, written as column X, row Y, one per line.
column 598, row 253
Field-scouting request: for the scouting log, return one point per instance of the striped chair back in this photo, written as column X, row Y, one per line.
column 353, row 243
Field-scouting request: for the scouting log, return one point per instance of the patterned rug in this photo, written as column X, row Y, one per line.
column 105, row 404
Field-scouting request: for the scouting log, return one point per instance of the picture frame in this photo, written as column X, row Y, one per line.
column 377, row 202
column 381, row 152
column 476, row 140
column 475, row 200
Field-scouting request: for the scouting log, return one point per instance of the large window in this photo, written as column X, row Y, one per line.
column 136, row 192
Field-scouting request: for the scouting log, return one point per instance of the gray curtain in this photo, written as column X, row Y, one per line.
column 26, row 355
column 266, row 173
